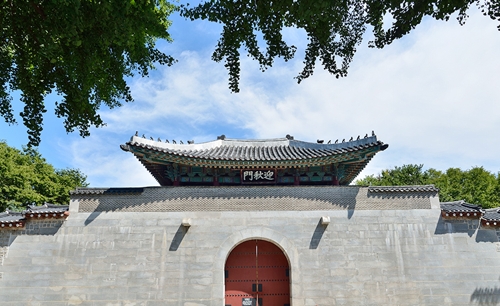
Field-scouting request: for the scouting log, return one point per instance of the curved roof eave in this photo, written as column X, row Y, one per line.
column 247, row 151
column 274, row 142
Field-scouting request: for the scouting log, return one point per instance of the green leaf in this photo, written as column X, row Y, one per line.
column 27, row 178
column 81, row 50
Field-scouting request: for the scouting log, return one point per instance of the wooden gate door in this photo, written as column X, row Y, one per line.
column 257, row 274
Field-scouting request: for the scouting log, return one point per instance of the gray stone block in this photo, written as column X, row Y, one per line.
column 364, row 256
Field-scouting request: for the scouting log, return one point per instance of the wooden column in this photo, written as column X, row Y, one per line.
column 335, row 179
column 215, row 181
column 175, row 171
column 296, row 181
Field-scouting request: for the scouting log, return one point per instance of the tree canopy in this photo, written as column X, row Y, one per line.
column 81, row 50
column 475, row 186
column 334, row 28
column 27, row 178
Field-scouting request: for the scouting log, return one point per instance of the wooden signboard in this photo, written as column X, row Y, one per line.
column 258, row 176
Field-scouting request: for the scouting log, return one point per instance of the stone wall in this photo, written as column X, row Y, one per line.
column 381, row 256
column 253, row 198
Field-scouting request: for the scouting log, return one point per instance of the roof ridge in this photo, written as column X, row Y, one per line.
column 271, row 142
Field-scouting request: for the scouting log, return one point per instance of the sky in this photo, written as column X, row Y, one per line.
column 432, row 96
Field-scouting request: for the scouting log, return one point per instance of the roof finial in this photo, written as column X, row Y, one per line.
column 329, row 141
column 221, row 137
column 166, row 140
column 337, row 141
column 351, row 139
column 143, row 136
column 343, row 140
column 289, row 137
column 190, row 141
column 150, row 137
column 159, row 140
column 373, row 133
column 181, row 142
column 320, row 141
column 357, row 138
column 366, row 136
column 173, row 141
column 136, row 133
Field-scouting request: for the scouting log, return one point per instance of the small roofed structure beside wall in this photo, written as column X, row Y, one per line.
column 17, row 220
column 460, row 210
column 491, row 218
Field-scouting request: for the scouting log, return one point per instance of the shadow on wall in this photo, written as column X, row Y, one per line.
column 486, row 296
column 179, row 235
column 470, row 227
column 210, row 199
column 249, row 198
column 92, row 217
column 33, row 228
column 318, row 233
column 7, row 238
column 486, row 235
column 456, row 226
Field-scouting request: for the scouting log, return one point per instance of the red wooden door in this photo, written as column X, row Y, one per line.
column 257, row 274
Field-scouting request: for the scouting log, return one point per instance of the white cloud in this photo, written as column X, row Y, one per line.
column 431, row 96
column 106, row 165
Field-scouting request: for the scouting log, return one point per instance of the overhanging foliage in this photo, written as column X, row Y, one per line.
column 334, row 28
column 81, row 50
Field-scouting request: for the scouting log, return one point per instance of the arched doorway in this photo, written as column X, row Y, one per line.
column 257, row 274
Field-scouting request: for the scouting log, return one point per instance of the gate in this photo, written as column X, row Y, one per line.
column 257, row 274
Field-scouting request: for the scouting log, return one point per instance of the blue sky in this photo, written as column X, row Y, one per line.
column 432, row 96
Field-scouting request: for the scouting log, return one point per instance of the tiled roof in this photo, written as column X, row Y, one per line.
column 18, row 219
column 255, row 150
column 417, row 188
column 492, row 214
column 131, row 190
column 46, row 208
column 9, row 217
column 279, row 153
column 459, row 206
